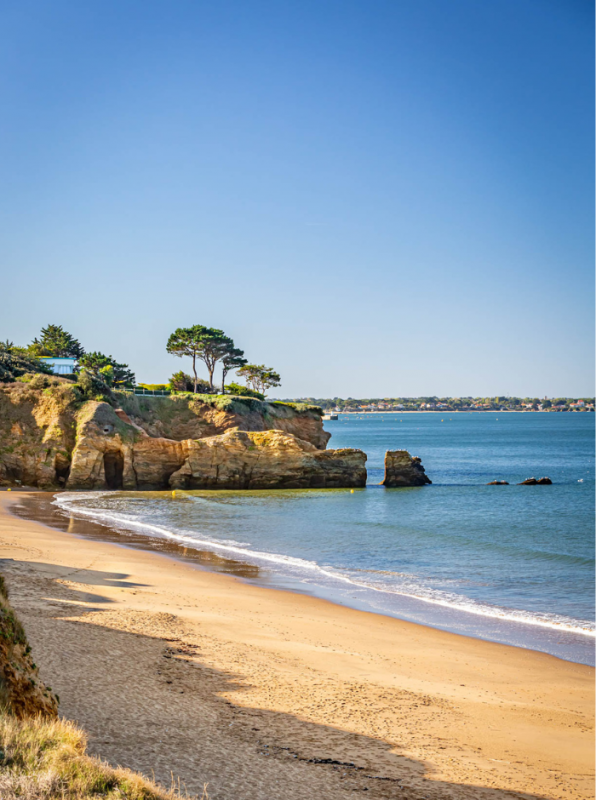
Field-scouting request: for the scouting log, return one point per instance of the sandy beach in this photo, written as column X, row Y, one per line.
column 261, row 693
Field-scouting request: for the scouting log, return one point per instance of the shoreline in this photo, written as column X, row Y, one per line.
column 414, row 693
column 574, row 646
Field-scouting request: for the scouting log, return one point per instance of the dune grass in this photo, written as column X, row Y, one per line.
column 43, row 759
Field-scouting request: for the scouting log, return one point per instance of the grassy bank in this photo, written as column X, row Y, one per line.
column 43, row 757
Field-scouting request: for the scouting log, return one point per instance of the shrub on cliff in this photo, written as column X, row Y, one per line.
column 243, row 391
column 16, row 362
column 93, row 387
column 181, row 382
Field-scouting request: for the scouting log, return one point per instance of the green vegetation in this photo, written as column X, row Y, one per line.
column 46, row 760
column 55, row 341
column 212, row 346
column 16, row 362
column 181, row 382
column 233, row 359
column 244, row 391
column 155, row 387
column 99, row 375
column 259, row 377
column 208, row 345
column 108, row 370
column 96, row 374
column 446, row 404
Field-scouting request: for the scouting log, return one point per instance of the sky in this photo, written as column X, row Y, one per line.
column 376, row 198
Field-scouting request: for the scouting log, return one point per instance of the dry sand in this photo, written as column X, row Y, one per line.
column 174, row 669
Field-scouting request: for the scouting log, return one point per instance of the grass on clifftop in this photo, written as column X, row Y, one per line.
column 139, row 405
column 46, row 760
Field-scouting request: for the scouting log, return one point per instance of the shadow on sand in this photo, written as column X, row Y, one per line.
column 148, row 702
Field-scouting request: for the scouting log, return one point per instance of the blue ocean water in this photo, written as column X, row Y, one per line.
column 513, row 564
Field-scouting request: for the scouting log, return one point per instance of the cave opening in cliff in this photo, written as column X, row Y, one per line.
column 62, row 471
column 113, row 464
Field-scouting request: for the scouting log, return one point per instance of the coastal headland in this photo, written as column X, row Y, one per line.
column 264, row 693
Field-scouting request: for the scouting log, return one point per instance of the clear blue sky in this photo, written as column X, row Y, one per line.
column 377, row 198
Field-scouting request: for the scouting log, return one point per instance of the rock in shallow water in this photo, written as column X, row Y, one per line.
column 402, row 469
column 536, row 482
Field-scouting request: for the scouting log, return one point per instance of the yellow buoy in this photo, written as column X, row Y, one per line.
column 174, row 493
column 351, row 491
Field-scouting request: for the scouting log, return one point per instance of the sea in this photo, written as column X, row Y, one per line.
column 510, row 564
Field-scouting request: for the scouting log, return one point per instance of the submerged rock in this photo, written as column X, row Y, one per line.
column 498, row 483
column 536, row 482
column 402, row 469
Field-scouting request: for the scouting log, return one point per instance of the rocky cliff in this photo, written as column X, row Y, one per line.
column 51, row 438
column 402, row 469
column 37, row 434
column 186, row 417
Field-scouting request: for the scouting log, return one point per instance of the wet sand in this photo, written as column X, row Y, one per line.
column 262, row 693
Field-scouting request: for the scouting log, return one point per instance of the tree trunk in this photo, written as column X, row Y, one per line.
column 211, row 371
column 223, row 381
column 194, row 369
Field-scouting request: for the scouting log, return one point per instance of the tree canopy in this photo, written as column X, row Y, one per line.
column 259, row 377
column 231, row 360
column 55, row 342
column 108, row 370
column 208, row 345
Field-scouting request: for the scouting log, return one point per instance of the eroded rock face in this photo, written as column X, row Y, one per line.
column 188, row 417
column 37, row 435
column 52, row 439
column 111, row 453
column 266, row 460
column 401, row 469
column 102, row 457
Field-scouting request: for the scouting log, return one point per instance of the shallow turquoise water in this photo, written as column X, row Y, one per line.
column 507, row 563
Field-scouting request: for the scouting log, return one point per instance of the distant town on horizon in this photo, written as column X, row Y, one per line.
column 500, row 403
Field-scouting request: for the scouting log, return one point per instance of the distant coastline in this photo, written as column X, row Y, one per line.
column 434, row 404
column 462, row 411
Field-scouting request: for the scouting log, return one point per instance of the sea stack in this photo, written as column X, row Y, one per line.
column 402, row 469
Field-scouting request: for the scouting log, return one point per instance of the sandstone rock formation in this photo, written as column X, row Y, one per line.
column 37, row 434
column 53, row 439
column 498, row 483
column 200, row 416
column 266, row 460
column 401, row 469
column 110, row 453
column 536, row 482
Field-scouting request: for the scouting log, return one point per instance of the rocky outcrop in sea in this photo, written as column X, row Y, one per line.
column 402, row 469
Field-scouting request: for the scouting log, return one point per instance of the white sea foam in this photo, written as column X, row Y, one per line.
column 412, row 586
